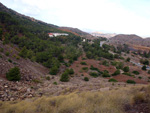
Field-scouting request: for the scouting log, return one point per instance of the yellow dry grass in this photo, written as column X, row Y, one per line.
column 86, row 102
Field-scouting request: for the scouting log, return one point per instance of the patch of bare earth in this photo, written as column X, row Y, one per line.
column 124, row 78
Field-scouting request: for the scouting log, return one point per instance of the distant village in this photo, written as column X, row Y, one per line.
column 57, row 34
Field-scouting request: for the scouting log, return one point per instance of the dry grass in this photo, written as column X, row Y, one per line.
column 86, row 102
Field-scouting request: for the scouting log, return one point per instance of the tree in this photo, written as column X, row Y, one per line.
column 136, row 72
column 105, row 74
column 23, row 53
column 13, row 74
column 71, row 71
column 112, row 80
column 64, row 77
column 149, row 72
column 131, row 81
column 120, row 65
column 144, row 68
column 126, row 69
column 86, row 79
column 60, row 58
column 89, row 55
column 1, row 33
column 54, row 70
column 128, row 59
column 117, row 72
column 116, row 56
column 6, row 38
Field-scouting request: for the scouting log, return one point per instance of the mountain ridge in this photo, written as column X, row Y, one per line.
column 130, row 39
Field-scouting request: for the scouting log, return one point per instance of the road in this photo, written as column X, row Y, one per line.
column 139, row 65
column 102, row 42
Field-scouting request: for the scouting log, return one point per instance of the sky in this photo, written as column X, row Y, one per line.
column 107, row 16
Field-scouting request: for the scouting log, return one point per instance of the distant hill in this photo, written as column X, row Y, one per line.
column 106, row 35
column 77, row 31
column 130, row 39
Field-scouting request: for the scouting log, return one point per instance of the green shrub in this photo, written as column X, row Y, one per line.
column 105, row 63
column 17, row 57
column 0, row 56
column 117, row 72
column 148, row 71
column 67, row 64
column 136, row 72
column 86, row 79
column 83, row 63
column 9, row 60
column 36, row 81
column 85, row 68
column 47, row 78
column 7, row 53
column 131, row 81
column 119, row 65
column 121, row 58
column 126, row 69
column 140, row 77
column 55, row 83
column 1, row 50
column 105, row 71
column 128, row 59
column 144, row 68
column 71, row 71
column 54, row 70
column 105, row 74
column 129, row 74
column 64, row 77
column 112, row 80
column 94, row 68
column 94, row 74
column 23, row 53
column 116, row 56
column 83, row 58
column 114, row 63
column 13, row 74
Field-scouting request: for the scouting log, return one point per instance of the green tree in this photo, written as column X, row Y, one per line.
column 1, row 33
column 126, row 69
column 6, row 38
column 23, row 53
column 136, row 72
column 144, row 68
column 131, row 81
column 105, row 74
column 54, row 70
column 60, row 58
column 71, row 71
column 13, row 74
column 86, row 79
column 128, row 59
column 64, row 77
column 119, row 65
column 117, row 72
column 112, row 80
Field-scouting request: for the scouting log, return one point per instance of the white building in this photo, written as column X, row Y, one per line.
column 57, row 34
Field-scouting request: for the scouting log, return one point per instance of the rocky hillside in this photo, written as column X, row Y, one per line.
column 130, row 39
column 31, row 73
column 78, row 32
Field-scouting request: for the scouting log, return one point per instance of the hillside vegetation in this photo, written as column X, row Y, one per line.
column 123, row 100
column 32, row 39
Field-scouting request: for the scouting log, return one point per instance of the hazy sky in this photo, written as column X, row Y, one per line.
column 109, row 16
